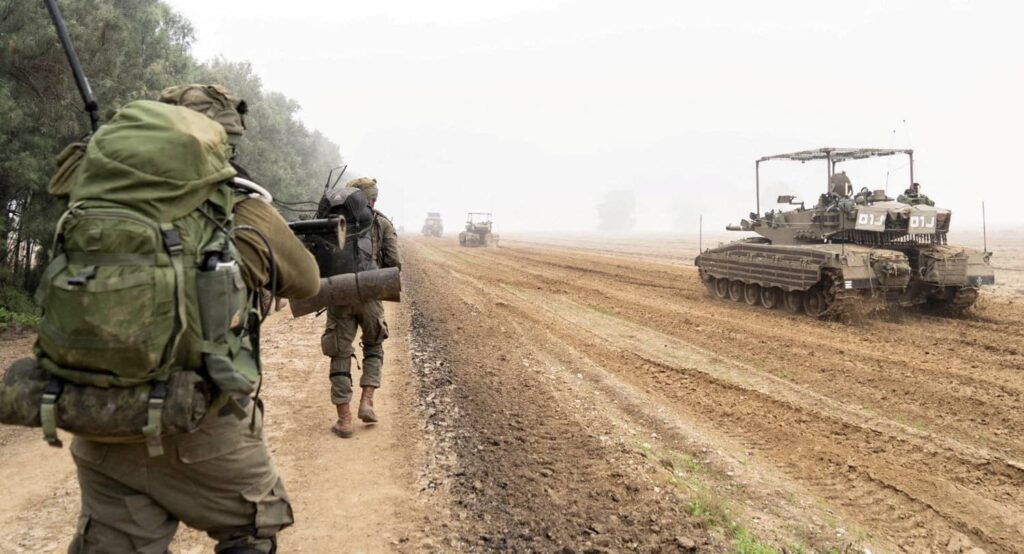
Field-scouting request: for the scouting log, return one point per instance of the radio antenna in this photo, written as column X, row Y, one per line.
column 76, row 67
column 700, row 235
column 984, row 229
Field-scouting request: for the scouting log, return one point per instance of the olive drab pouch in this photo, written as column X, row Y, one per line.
column 121, row 298
column 224, row 308
column 111, row 299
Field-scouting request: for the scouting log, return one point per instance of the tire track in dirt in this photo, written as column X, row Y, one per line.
column 975, row 394
column 921, row 492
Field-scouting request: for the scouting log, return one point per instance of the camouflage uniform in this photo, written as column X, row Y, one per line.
column 220, row 478
column 343, row 322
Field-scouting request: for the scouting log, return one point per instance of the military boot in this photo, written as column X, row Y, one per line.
column 343, row 427
column 366, row 405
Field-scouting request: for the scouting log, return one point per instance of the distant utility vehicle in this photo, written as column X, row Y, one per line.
column 478, row 230
column 433, row 227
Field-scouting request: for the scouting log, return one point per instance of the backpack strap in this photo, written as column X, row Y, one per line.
column 158, row 389
column 173, row 244
column 48, row 411
column 58, row 233
column 154, row 418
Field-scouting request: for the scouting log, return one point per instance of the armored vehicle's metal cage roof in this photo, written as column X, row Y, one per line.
column 832, row 156
column 837, row 154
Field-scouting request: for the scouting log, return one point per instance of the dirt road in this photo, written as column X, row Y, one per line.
column 539, row 398
column 897, row 434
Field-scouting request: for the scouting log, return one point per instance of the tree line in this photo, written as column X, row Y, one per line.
column 130, row 49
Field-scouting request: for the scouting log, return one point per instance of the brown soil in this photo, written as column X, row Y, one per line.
column 544, row 398
column 902, row 429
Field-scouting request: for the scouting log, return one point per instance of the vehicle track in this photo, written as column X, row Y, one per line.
column 918, row 449
column 883, row 359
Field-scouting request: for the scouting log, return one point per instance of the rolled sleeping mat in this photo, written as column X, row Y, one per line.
column 350, row 289
column 96, row 411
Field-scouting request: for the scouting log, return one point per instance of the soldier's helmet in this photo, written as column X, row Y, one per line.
column 214, row 101
column 367, row 185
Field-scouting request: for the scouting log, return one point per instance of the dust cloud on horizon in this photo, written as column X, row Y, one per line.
column 537, row 110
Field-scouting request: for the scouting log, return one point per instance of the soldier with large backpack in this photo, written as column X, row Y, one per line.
column 380, row 251
column 148, row 345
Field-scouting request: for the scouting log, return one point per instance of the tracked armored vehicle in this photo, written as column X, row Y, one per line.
column 478, row 230
column 849, row 249
column 432, row 226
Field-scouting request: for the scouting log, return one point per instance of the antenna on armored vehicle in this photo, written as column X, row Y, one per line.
column 76, row 67
column 984, row 229
column 757, row 183
column 700, row 234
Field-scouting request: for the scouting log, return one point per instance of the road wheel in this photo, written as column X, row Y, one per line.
column 815, row 304
column 752, row 293
column 736, row 290
column 771, row 297
column 722, row 287
column 794, row 301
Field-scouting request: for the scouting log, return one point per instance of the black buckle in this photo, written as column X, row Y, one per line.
column 83, row 277
column 54, row 387
column 158, row 390
column 172, row 241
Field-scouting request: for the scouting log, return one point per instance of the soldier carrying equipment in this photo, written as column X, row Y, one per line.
column 148, row 346
column 375, row 246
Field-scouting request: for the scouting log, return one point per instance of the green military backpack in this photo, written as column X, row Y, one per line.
column 143, row 303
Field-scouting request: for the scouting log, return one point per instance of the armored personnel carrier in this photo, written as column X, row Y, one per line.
column 432, row 226
column 478, row 230
column 847, row 249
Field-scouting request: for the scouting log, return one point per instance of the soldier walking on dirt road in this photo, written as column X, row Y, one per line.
column 343, row 321
column 220, row 477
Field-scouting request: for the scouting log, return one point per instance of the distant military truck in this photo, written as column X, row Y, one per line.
column 478, row 230
column 433, row 227
column 850, row 247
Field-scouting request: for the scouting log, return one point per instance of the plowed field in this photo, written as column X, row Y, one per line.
column 904, row 429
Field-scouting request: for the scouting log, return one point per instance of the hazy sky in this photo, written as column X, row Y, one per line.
column 535, row 109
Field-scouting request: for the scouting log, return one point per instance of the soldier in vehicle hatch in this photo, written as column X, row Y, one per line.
column 344, row 321
column 839, row 185
column 914, row 196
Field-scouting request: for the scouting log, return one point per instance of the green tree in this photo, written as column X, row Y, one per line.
column 130, row 49
column 277, row 149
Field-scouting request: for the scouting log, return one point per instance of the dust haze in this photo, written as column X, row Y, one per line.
column 538, row 110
